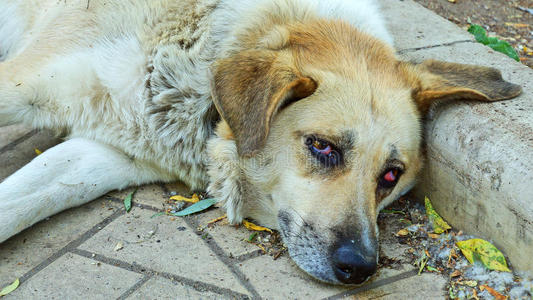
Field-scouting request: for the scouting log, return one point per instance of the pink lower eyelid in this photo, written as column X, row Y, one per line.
column 326, row 151
column 390, row 176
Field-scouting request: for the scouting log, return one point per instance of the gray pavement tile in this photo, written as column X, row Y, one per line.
column 16, row 158
column 162, row 288
column 282, row 279
column 230, row 238
column 151, row 195
column 163, row 245
column 413, row 26
column 424, row 286
column 9, row 134
column 29, row 248
column 76, row 277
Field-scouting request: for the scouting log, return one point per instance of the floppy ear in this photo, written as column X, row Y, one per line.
column 250, row 87
column 436, row 80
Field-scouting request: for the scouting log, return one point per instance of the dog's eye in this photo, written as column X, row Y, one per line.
column 389, row 178
column 324, row 151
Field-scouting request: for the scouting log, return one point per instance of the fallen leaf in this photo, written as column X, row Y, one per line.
column 452, row 1
column 157, row 215
column 439, row 225
column 433, row 235
column 119, row 246
column 127, row 201
column 38, row 152
column 402, row 232
column 217, row 220
column 10, row 288
column 493, row 292
column 252, row 237
column 456, row 273
column 431, row 269
column 470, row 283
column 516, row 25
column 252, row 226
column 498, row 45
column 196, row 207
column 484, row 252
column 193, row 199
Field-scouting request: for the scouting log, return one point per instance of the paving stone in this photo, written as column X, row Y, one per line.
column 413, row 26
column 282, row 279
column 424, row 286
column 162, row 288
column 29, row 248
column 14, row 159
column 151, row 195
column 9, row 134
column 479, row 168
column 76, row 277
column 163, row 245
column 230, row 238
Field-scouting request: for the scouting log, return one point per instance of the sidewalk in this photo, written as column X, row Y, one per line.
column 74, row 254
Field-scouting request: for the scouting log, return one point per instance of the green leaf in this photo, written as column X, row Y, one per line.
column 479, row 33
column 8, row 289
column 505, row 48
column 498, row 45
column 439, row 225
column 196, row 207
column 252, row 237
column 127, row 201
column 484, row 252
column 157, row 215
column 431, row 269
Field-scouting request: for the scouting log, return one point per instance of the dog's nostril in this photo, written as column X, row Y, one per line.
column 350, row 266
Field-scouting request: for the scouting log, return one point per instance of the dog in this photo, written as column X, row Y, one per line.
column 294, row 113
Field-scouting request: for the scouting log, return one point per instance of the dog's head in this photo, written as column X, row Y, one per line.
column 321, row 128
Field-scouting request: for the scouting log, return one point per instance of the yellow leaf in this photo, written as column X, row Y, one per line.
column 193, row 199
column 402, row 232
column 484, row 252
column 439, row 225
column 252, row 226
column 8, row 289
column 38, row 152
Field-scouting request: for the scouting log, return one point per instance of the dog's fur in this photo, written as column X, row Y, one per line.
column 138, row 87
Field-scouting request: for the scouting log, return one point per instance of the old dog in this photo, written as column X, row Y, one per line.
column 295, row 113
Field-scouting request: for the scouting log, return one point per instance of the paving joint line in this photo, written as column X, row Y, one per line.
column 135, row 287
column 221, row 255
column 409, row 50
column 16, row 142
column 373, row 285
column 72, row 245
column 140, row 269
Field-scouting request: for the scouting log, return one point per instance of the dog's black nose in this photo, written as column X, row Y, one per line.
column 351, row 266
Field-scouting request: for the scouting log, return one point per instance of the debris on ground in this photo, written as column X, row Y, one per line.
column 510, row 20
column 443, row 254
column 10, row 288
column 127, row 201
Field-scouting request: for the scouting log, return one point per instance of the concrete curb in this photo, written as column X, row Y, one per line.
column 479, row 172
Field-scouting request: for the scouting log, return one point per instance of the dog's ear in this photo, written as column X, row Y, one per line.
column 250, row 87
column 435, row 80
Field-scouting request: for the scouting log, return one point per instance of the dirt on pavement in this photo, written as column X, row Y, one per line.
column 509, row 20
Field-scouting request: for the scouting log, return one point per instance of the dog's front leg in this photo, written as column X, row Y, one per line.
column 67, row 175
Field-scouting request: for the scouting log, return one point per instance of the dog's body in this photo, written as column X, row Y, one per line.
column 138, row 87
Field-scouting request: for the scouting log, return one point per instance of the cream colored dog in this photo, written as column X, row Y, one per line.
column 318, row 125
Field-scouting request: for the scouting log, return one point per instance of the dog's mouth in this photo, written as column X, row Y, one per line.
column 343, row 261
